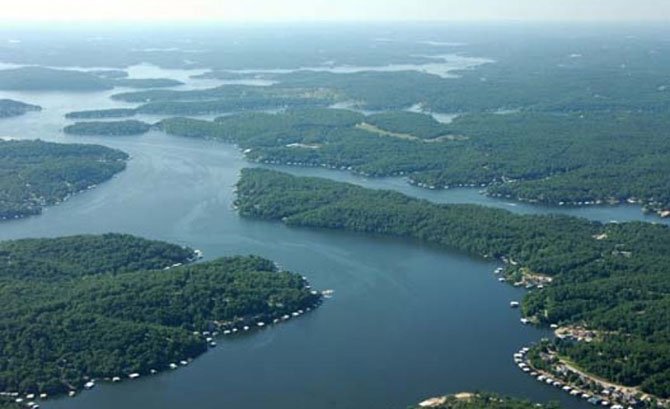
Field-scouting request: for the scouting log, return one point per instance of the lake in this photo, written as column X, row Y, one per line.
column 406, row 322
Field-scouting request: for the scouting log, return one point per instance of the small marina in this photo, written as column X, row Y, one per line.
column 546, row 367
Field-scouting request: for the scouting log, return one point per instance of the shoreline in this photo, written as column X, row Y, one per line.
column 586, row 387
column 208, row 337
column 215, row 331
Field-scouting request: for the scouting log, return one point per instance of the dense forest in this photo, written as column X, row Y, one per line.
column 229, row 93
column 50, row 79
column 585, row 74
column 612, row 278
column 7, row 403
column 567, row 75
column 108, row 128
column 34, row 174
column 145, row 82
column 573, row 109
column 95, row 307
column 101, row 113
column 9, row 107
column 408, row 123
column 549, row 158
column 485, row 401
column 224, row 99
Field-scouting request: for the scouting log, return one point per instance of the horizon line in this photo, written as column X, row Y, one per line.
column 139, row 21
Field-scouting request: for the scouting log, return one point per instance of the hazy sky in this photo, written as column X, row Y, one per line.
column 290, row 10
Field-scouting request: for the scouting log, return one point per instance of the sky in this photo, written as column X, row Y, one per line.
column 332, row 10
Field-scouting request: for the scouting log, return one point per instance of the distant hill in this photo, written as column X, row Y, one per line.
column 50, row 79
column 9, row 107
column 110, row 128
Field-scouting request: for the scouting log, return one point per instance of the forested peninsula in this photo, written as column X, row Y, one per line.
column 108, row 128
column 35, row 174
column 230, row 98
column 9, row 108
column 558, row 159
column 101, row 113
column 109, row 307
column 35, row 78
column 610, row 278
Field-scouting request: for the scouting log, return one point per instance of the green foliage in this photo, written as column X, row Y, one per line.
column 145, row 82
column 49, row 79
column 102, row 306
column 419, row 125
column 320, row 137
column 101, row 113
column 109, row 128
column 7, row 403
column 10, row 108
column 571, row 158
column 612, row 277
column 34, row 174
column 227, row 92
column 539, row 157
column 224, row 99
column 68, row 258
column 533, row 74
